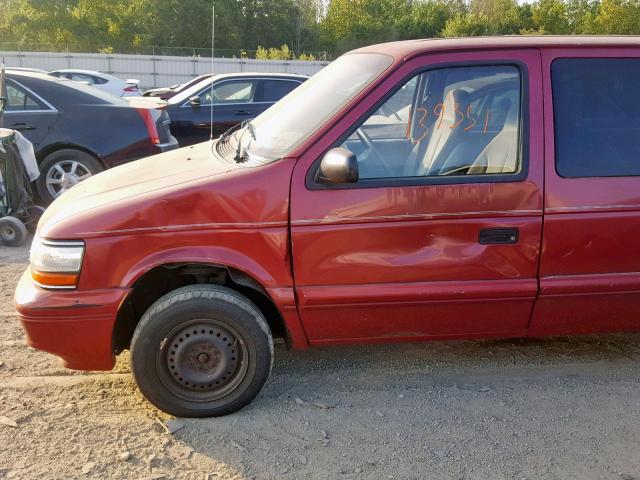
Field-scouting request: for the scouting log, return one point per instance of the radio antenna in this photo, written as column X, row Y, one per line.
column 3, row 96
column 213, row 37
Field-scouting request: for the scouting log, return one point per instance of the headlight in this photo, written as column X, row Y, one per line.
column 56, row 264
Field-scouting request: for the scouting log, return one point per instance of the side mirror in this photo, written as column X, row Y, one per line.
column 339, row 165
column 3, row 104
column 195, row 101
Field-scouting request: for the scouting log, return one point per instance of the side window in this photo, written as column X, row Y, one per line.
column 229, row 92
column 597, row 116
column 445, row 122
column 274, row 90
column 98, row 80
column 19, row 100
column 81, row 77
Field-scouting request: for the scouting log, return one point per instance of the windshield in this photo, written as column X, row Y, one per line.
column 293, row 119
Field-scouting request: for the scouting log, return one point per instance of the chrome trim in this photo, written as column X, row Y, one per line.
column 315, row 221
column 591, row 207
column 62, row 243
column 9, row 112
column 194, row 226
column 409, row 217
column 231, row 104
column 47, row 287
column 51, row 107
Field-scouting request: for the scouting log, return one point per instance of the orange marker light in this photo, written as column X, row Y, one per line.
column 47, row 279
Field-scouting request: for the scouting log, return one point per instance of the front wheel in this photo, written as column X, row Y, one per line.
column 201, row 351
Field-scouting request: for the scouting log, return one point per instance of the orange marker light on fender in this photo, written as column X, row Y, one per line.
column 53, row 280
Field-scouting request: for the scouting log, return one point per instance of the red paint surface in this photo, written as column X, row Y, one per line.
column 75, row 325
column 362, row 265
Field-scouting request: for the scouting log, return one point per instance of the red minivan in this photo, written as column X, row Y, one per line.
column 429, row 189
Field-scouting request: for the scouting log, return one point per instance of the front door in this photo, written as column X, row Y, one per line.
column 441, row 234
column 233, row 103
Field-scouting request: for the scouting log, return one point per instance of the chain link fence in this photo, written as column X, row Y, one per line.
column 144, row 50
column 155, row 70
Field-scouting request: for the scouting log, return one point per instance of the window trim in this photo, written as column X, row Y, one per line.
column 555, row 119
column 523, row 147
column 50, row 109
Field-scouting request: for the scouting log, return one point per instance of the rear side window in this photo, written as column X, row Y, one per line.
column 81, row 77
column 274, row 90
column 19, row 100
column 597, row 117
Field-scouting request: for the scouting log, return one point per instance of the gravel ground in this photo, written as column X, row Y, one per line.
column 563, row 408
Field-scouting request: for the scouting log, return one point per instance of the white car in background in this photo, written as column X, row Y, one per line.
column 108, row 83
column 26, row 69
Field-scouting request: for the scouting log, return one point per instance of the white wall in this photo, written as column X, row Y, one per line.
column 155, row 71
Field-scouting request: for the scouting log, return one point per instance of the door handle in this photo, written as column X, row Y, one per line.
column 498, row 236
column 23, row 126
column 243, row 112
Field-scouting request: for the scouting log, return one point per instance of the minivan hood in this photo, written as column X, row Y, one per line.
column 151, row 193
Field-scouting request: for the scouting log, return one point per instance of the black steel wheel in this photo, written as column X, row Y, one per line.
column 201, row 351
column 13, row 232
column 202, row 360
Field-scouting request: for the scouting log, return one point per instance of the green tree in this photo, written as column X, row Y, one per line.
column 428, row 19
column 620, row 17
column 466, row 25
column 550, row 16
column 501, row 16
column 581, row 16
column 353, row 23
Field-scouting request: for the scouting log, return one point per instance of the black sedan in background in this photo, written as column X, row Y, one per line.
column 78, row 131
column 165, row 93
column 235, row 97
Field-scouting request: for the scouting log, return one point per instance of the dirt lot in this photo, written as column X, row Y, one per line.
column 565, row 408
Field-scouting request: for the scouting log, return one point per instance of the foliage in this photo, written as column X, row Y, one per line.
column 550, row 16
column 307, row 56
column 297, row 26
column 282, row 53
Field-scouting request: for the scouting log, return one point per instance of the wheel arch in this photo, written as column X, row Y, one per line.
column 54, row 147
column 158, row 279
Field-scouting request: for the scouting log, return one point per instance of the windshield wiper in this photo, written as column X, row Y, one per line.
column 251, row 130
column 246, row 125
column 225, row 136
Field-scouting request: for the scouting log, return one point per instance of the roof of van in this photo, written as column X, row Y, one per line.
column 412, row 47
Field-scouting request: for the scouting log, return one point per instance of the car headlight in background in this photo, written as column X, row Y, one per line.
column 56, row 264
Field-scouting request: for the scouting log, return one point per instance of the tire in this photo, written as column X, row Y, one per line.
column 201, row 351
column 13, row 232
column 77, row 165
